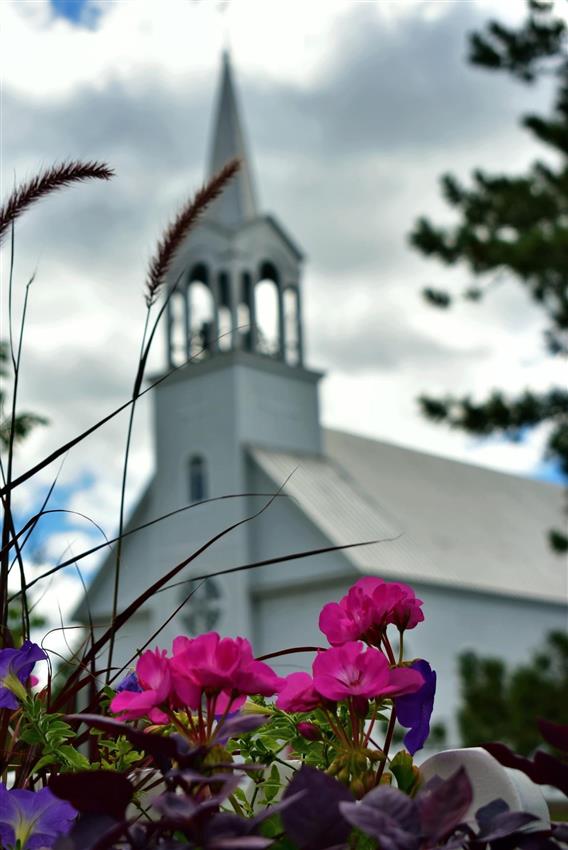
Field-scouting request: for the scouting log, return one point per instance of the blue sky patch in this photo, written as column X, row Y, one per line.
column 82, row 13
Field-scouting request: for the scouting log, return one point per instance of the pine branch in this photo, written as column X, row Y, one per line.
column 57, row 177
column 180, row 227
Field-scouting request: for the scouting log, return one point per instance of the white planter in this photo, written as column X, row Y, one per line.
column 490, row 781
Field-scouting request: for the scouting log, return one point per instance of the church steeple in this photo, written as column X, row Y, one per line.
column 238, row 204
column 237, row 275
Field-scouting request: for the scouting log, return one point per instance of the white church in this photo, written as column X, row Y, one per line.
column 240, row 417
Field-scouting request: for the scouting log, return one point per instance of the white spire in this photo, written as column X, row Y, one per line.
column 237, row 204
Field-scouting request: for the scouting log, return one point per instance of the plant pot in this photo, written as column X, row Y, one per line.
column 490, row 781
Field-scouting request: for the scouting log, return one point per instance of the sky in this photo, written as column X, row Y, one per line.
column 352, row 111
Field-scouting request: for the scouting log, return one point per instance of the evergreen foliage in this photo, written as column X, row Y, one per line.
column 23, row 423
column 515, row 227
column 500, row 704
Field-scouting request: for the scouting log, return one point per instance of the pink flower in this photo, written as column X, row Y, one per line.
column 298, row 693
column 221, row 667
column 153, row 673
column 209, row 661
column 366, row 610
column 352, row 670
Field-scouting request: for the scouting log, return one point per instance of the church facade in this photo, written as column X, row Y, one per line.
column 238, row 437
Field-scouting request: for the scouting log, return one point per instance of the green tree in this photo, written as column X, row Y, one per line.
column 498, row 704
column 23, row 422
column 515, row 227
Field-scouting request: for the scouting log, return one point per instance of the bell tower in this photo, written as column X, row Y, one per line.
column 234, row 333
column 234, row 254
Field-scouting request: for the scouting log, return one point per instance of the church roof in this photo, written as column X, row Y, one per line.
column 450, row 523
column 238, row 203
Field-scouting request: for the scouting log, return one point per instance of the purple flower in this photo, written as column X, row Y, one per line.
column 33, row 818
column 15, row 668
column 414, row 710
column 130, row 683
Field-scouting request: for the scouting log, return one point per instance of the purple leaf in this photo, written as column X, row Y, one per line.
column 91, row 832
column 398, row 805
column 555, row 734
column 240, row 724
column 101, row 792
column 314, row 821
column 181, row 808
column 162, row 749
column 544, row 770
column 148, row 742
column 442, row 808
column 241, row 842
column 486, row 813
column 560, row 831
column 386, row 828
column 535, row 841
column 505, row 824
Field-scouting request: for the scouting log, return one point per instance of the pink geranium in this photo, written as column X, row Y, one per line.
column 353, row 670
column 366, row 610
column 298, row 693
column 223, row 668
column 154, row 678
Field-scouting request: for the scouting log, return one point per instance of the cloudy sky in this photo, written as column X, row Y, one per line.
column 353, row 110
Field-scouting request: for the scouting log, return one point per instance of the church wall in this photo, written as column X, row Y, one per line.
column 287, row 599
column 281, row 530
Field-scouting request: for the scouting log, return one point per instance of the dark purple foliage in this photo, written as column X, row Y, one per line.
column 543, row 769
column 387, row 815
column 413, row 711
column 162, row 748
column 94, row 791
column 443, row 804
column 434, row 819
column 240, row 724
column 555, row 734
column 314, row 820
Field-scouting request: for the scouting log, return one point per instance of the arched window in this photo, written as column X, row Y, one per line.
column 246, row 314
column 291, row 320
column 197, row 478
column 224, row 313
column 178, row 336
column 266, row 302
column 202, row 313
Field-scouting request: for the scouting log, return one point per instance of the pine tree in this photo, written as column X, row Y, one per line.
column 515, row 226
column 504, row 704
column 23, row 423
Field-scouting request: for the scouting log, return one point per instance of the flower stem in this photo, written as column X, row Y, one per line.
column 388, row 741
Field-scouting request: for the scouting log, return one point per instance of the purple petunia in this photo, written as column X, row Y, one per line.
column 130, row 683
column 15, row 668
column 35, row 819
column 414, row 710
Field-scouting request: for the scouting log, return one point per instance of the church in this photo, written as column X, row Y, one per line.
column 239, row 418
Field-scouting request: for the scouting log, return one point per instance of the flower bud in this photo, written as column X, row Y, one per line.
column 357, row 787
column 308, row 730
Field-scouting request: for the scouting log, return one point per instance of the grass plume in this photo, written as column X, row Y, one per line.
column 181, row 225
column 56, row 177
